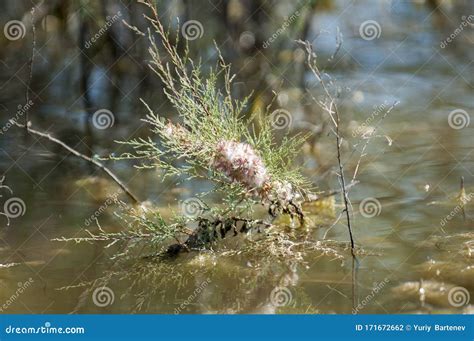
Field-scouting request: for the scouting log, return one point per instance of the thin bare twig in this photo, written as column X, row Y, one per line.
column 333, row 112
column 84, row 157
column 362, row 153
column 30, row 66
column 334, row 224
column 338, row 44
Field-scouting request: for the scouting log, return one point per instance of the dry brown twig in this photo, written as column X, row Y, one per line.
column 82, row 156
column 330, row 107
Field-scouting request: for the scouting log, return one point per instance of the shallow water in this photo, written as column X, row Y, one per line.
column 409, row 244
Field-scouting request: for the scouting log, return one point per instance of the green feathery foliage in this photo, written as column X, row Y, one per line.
column 209, row 117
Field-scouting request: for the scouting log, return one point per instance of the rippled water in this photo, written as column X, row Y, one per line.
column 411, row 173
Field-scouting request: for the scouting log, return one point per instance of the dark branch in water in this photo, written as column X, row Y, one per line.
column 211, row 230
column 84, row 157
column 332, row 110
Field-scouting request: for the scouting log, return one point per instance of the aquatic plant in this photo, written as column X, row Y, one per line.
column 215, row 140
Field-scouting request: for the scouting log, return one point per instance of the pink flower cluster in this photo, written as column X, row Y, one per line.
column 241, row 163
